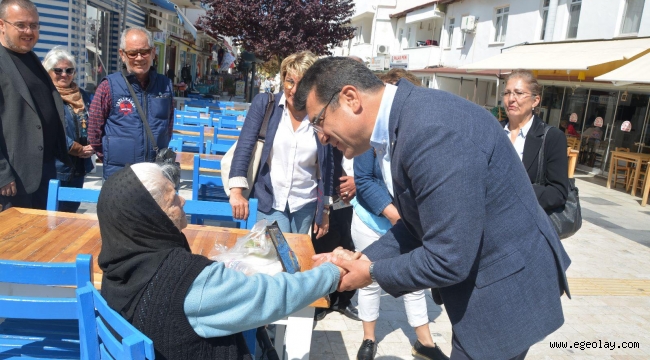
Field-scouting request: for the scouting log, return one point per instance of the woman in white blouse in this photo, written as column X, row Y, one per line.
column 294, row 181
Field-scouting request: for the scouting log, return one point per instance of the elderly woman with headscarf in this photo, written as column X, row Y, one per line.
column 60, row 65
column 190, row 306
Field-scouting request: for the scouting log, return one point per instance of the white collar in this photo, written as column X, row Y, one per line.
column 380, row 134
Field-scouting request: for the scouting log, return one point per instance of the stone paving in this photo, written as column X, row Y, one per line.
column 609, row 256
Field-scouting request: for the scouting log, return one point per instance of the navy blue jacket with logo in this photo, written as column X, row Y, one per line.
column 125, row 138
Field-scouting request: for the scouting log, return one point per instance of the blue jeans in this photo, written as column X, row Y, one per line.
column 297, row 222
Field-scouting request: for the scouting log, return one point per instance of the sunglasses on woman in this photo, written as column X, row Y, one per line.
column 60, row 71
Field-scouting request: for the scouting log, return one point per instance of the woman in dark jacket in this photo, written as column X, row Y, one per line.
column 294, row 179
column 60, row 65
column 526, row 131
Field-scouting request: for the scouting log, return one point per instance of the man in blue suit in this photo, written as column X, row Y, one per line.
column 470, row 223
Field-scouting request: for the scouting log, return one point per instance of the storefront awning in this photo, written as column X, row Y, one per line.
column 165, row 4
column 563, row 56
column 637, row 71
column 187, row 24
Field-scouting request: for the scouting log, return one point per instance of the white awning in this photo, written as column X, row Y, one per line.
column 637, row 71
column 423, row 14
column 563, row 56
column 187, row 24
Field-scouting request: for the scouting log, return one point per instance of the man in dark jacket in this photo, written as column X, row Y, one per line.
column 31, row 112
column 116, row 130
column 470, row 223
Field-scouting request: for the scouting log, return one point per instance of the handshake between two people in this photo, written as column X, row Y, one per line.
column 353, row 266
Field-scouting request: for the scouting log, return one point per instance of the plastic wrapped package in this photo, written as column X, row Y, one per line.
column 253, row 253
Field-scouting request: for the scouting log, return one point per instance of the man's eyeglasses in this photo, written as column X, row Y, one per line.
column 68, row 71
column 289, row 84
column 518, row 94
column 317, row 122
column 133, row 54
column 22, row 27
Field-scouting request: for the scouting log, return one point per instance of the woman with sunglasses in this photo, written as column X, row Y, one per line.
column 295, row 173
column 526, row 131
column 60, row 65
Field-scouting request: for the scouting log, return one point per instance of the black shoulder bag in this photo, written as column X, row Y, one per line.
column 566, row 219
column 163, row 156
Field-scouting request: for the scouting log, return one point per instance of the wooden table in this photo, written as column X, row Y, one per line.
column 186, row 159
column 637, row 158
column 573, row 160
column 646, row 187
column 38, row 235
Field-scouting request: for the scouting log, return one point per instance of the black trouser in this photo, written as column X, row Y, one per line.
column 458, row 353
column 37, row 199
column 338, row 235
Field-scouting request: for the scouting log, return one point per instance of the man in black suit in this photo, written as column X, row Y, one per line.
column 32, row 135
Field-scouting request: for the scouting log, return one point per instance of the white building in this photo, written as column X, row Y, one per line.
column 571, row 45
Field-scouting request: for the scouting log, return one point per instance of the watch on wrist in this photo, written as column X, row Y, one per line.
column 372, row 272
column 326, row 210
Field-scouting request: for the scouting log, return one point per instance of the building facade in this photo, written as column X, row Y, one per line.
column 467, row 47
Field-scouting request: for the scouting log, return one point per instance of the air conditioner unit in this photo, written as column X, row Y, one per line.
column 382, row 49
column 468, row 23
column 153, row 24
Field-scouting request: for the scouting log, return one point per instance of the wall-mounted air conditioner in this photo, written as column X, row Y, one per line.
column 382, row 49
column 468, row 23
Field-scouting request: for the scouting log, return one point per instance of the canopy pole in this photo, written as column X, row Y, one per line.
column 584, row 118
column 644, row 129
column 562, row 105
column 611, row 131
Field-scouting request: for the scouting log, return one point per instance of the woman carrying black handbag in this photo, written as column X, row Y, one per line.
column 542, row 149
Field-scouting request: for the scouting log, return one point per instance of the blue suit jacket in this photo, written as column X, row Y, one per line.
column 262, row 189
column 471, row 226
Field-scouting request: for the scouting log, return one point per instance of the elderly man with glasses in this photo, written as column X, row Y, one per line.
column 132, row 112
column 32, row 135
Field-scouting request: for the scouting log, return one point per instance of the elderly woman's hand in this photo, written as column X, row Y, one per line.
column 239, row 204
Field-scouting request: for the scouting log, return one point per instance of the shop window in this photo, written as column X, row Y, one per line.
column 574, row 18
column 545, row 5
column 408, row 37
column 358, row 37
column 450, row 31
column 501, row 24
column 632, row 16
column 97, row 45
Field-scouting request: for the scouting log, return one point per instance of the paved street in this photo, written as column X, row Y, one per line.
column 609, row 279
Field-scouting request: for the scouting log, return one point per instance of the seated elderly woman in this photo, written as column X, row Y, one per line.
column 191, row 307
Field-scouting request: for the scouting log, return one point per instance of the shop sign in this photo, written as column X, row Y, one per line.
column 376, row 63
column 399, row 61
column 598, row 122
column 573, row 118
column 601, row 99
column 626, row 126
column 159, row 36
column 239, row 88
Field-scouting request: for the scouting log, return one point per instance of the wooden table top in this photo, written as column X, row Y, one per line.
column 186, row 159
column 631, row 155
column 38, row 235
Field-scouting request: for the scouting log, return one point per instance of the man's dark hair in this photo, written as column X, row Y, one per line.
column 25, row 4
column 331, row 74
column 394, row 75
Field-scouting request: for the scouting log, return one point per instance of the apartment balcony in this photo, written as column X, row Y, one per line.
column 422, row 56
column 362, row 50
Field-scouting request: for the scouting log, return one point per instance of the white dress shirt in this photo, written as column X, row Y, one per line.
column 520, row 141
column 380, row 138
column 293, row 162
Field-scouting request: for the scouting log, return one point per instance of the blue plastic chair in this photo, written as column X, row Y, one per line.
column 219, row 148
column 194, row 142
column 176, row 145
column 96, row 320
column 203, row 109
column 234, row 112
column 180, row 116
column 42, row 326
column 229, row 122
column 56, row 193
column 220, row 210
column 206, row 181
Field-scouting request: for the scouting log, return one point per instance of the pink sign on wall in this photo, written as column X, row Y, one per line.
column 626, row 126
column 598, row 122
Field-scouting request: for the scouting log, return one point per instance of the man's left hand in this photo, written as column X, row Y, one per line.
column 358, row 273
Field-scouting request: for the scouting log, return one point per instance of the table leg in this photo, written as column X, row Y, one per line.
column 611, row 170
column 646, row 188
column 636, row 175
column 572, row 165
column 299, row 329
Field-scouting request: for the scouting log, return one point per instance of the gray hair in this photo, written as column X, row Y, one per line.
column 126, row 32
column 55, row 55
column 25, row 4
column 154, row 178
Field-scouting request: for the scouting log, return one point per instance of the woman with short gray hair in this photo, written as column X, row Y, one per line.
column 60, row 65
